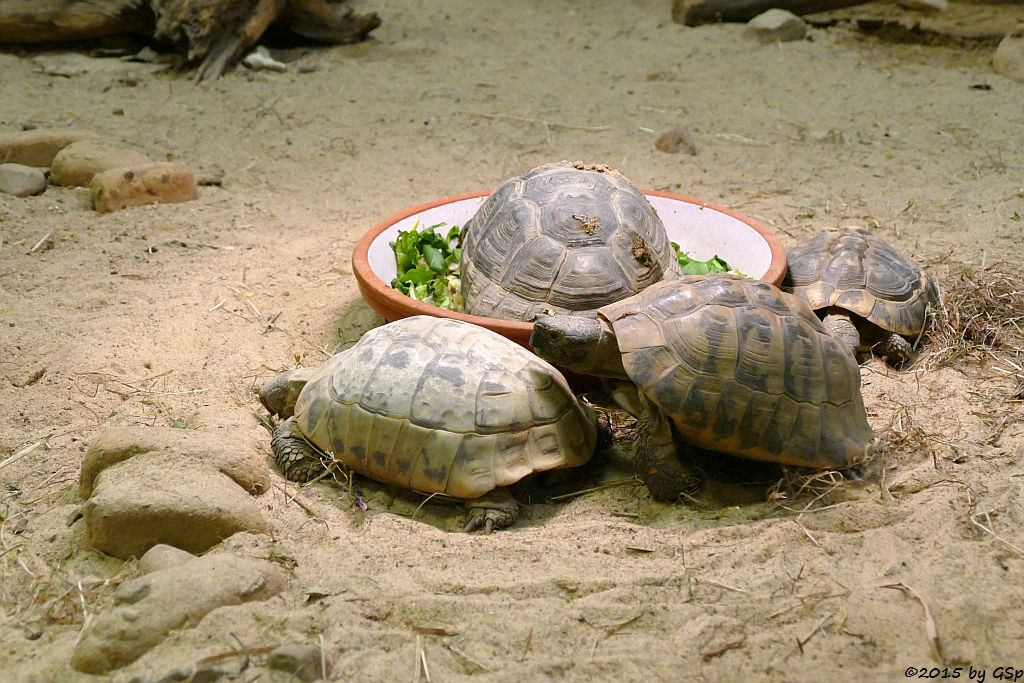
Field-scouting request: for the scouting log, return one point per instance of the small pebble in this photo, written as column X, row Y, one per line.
column 302, row 661
column 1009, row 57
column 21, row 181
column 677, row 141
column 776, row 25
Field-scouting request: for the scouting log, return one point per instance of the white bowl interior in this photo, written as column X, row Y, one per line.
column 700, row 231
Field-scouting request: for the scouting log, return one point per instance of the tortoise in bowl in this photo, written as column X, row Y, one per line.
column 564, row 238
column 436, row 405
column 867, row 292
column 722, row 363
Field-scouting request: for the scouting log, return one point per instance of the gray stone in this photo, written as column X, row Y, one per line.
column 148, row 608
column 163, row 556
column 231, row 452
column 924, row 5
column 1009, row 57
column 776, row 25
column 21, row 181
column 305, row 662
column 153, row 498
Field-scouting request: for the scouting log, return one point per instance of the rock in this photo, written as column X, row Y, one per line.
column 20, row 180
column 924, row 5
column 305, row 662
column 165, row 182
column 162, row 556
column 1009, row 57
column 152, row 499
column 235, row 455
column 677, row 141
column 76, row 164
column 776, row 25
column 38, row 147
column 146, row 609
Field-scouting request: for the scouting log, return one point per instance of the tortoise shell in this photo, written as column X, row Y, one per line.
column 443, row 406
column 744, row 368
column 564, row 238
column 861, row 273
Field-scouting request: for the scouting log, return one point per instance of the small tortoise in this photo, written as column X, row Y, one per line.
column 563, row 238
column 435, row 405
column 867, row 292
column 723, row 363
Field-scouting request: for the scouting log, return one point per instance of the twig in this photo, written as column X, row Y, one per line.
column 525, row 119
column 720, row 585
column 999, row 538
column 599, row 487
column 25, row 451
column 42, row 241
column 929, row 623
column 456, row 651
column 526, row 647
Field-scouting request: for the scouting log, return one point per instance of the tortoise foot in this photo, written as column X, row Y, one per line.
column 496, row 510
column 667, row 478
column 897, row 350
column 298, row 460
column 656, row 457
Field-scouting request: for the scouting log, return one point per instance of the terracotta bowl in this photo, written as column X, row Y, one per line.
column 699, row 228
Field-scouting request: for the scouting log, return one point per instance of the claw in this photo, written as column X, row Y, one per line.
column 489, row 526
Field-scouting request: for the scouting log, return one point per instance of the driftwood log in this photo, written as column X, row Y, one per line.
column 212, row 33
column 697, row 12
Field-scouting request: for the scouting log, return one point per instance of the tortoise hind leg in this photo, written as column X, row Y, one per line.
column 656, row 457
column 297, row 458
column 896, row 349
column 494, row 510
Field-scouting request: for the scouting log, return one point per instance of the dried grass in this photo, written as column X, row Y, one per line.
column 980, row 319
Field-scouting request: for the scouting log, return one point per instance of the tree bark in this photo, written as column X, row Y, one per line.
column 697, row 12
column 54, row 21
column 213, row 33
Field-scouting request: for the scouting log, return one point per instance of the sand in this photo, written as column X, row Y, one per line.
column 143, row 316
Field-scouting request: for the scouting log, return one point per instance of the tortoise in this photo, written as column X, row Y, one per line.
column 722, row 363
column 562, row 238
column 436, row 405
column 867, row 292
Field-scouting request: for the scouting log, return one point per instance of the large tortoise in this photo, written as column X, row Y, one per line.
column 866, row 291
column 723, row 363
column 435, row 405
column 563, row 238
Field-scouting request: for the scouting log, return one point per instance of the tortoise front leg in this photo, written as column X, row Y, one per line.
column 656, row 456
column 837, row 321
column 494, row 510
column 297, row 458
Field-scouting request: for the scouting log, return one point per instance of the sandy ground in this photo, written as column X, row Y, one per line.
column 141, row 317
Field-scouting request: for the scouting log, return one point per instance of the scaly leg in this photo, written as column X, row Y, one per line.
column 656, row 456
column 297, row 458
column 494, row 510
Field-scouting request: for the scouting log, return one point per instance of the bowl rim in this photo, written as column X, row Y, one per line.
column 368, row 280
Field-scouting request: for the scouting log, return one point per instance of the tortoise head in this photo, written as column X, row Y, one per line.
column 582, row 344
column 280, row 394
